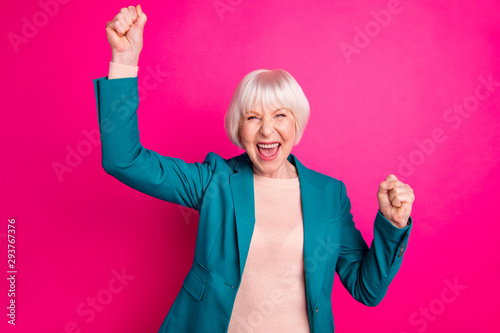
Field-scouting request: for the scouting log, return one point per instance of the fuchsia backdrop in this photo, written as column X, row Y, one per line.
column 396, row 87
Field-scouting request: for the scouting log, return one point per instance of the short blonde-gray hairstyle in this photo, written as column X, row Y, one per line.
column 271, row 89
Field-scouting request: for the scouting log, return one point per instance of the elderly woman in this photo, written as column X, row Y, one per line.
column 272, row 233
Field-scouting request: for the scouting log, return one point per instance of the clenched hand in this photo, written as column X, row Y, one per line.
column 125, row 35
column 395, row 200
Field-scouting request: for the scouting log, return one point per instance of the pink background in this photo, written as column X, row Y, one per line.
column 385, row 108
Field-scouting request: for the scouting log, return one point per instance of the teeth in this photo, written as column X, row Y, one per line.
column 261, row 145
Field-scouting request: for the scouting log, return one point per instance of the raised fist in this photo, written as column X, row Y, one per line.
column 125, row 35
column 395, row 200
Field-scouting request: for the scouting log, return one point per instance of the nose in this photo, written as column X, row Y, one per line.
column 267, row 127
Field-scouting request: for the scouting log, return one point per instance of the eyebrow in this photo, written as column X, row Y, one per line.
column 278, row 109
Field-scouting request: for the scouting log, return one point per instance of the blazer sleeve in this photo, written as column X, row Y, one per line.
column 123, row 156
column 367, row 272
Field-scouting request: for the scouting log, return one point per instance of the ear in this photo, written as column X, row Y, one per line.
column 297, row 137
column 239, row 139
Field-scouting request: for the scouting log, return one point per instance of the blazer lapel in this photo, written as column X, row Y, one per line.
column 313, row 214
column 244, row 205
column 314, row 221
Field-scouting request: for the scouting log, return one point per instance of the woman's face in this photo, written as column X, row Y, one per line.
column 268, row 137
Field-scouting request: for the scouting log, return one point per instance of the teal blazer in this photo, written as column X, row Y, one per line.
column 223, row 193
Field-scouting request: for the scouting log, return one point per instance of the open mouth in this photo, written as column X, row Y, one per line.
column 268, row 151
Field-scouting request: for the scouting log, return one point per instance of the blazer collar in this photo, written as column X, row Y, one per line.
column 313, row 213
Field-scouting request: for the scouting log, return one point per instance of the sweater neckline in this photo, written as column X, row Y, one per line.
column 275, row 182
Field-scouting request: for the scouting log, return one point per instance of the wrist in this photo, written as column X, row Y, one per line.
column 125, row 59
column 400, row 225
column 397, row 224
